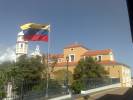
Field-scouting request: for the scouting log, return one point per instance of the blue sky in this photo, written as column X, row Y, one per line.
column 97, row 24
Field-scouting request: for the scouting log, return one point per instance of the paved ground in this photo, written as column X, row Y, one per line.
column 114, row 94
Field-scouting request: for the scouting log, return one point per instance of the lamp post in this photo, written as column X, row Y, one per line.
column 67, row 59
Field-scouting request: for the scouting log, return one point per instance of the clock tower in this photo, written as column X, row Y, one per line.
column 21, row 45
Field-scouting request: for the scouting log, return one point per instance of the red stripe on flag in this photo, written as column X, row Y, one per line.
column 36, row 38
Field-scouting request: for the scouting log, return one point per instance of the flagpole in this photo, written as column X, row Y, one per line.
column 33, row 26
column 47, row 81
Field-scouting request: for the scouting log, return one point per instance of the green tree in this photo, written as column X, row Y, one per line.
column 27, row 68
column 2, row 82
column 60, row 75
column 77, row 86
column 87, row 68
column 6, row 64
column 4, row 77
column 25, row 73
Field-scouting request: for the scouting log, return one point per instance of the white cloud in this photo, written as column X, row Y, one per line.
column 7, row 53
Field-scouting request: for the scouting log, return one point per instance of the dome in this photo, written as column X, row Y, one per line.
column 36, row 52
column 21, row 33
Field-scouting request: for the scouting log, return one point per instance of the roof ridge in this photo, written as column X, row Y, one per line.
column 96, row 52
column 114, row 62
column 75, row 45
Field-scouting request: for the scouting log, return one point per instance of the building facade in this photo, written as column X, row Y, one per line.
column 75, row 52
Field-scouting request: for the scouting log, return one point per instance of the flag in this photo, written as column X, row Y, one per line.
column 130, row 12
column 35, row 32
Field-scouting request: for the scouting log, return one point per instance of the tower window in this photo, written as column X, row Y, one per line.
column 21, row 45
column 20, row 38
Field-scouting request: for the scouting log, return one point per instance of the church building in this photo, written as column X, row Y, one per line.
column 75, row 52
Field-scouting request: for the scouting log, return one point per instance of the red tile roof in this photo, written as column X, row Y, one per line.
column 108, row 62
column 112, row 63
column 97, row 52
column 75, row 45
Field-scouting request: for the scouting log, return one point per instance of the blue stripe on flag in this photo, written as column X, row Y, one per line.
column 35, row 31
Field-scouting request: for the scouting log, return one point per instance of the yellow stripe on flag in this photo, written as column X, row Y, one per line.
column 35, row 26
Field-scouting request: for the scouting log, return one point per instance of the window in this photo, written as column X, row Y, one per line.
column 59, row 60
column 20, row 38
column 71, row 58
column 71, row 49
column 99, row 58
column 21, row 45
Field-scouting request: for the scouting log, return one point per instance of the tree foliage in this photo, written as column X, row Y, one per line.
column 26, row 74
column 61, row 75
column 6, row 65
column 87, row 68
column 27, row 69
column 4, row 69
column 2, row 82
column 77, row 86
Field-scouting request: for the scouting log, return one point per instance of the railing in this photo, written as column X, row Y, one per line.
column 36, row 90
column 98, row 82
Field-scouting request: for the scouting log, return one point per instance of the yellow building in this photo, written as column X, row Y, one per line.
column 105, row 57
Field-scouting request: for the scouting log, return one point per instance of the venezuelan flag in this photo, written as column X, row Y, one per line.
column 35, row 32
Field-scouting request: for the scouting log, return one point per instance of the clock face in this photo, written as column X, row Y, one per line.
column 20, row 38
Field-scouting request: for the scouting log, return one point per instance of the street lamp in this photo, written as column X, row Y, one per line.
column 67, row 60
